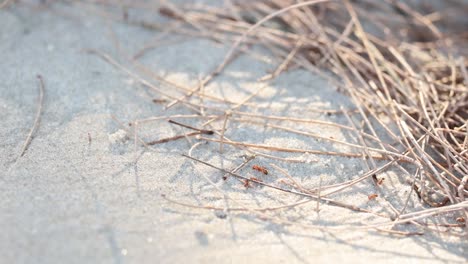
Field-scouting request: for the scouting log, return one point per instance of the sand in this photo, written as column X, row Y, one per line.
column 77, row 195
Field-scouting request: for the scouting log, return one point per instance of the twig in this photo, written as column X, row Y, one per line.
column 202, row 131
column 285, row 63
column 310, row 151
column 319, row 195
column 242, row 165
column 165, row 140
column 232, row 209
column 38, row 116
column 221, row 137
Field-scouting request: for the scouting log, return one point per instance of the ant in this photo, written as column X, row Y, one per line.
column 260, row 169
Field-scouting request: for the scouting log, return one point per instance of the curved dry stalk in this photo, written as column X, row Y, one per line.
column 37, row 119
column 403, row 158
column 232, row 209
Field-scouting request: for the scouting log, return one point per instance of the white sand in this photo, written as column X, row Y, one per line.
column 72, row 200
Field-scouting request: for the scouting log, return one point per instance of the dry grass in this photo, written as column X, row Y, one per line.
column 402, row 66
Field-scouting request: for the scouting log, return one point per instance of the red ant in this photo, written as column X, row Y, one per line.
column 260, row 169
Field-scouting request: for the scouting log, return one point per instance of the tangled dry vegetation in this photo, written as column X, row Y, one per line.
column 403, row 66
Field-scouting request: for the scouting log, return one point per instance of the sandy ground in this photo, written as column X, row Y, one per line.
column 76, row 196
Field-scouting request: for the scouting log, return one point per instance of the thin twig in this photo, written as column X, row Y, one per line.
column 221, row 137
column 169, row 139
column 37, row 118
column 202, row 131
